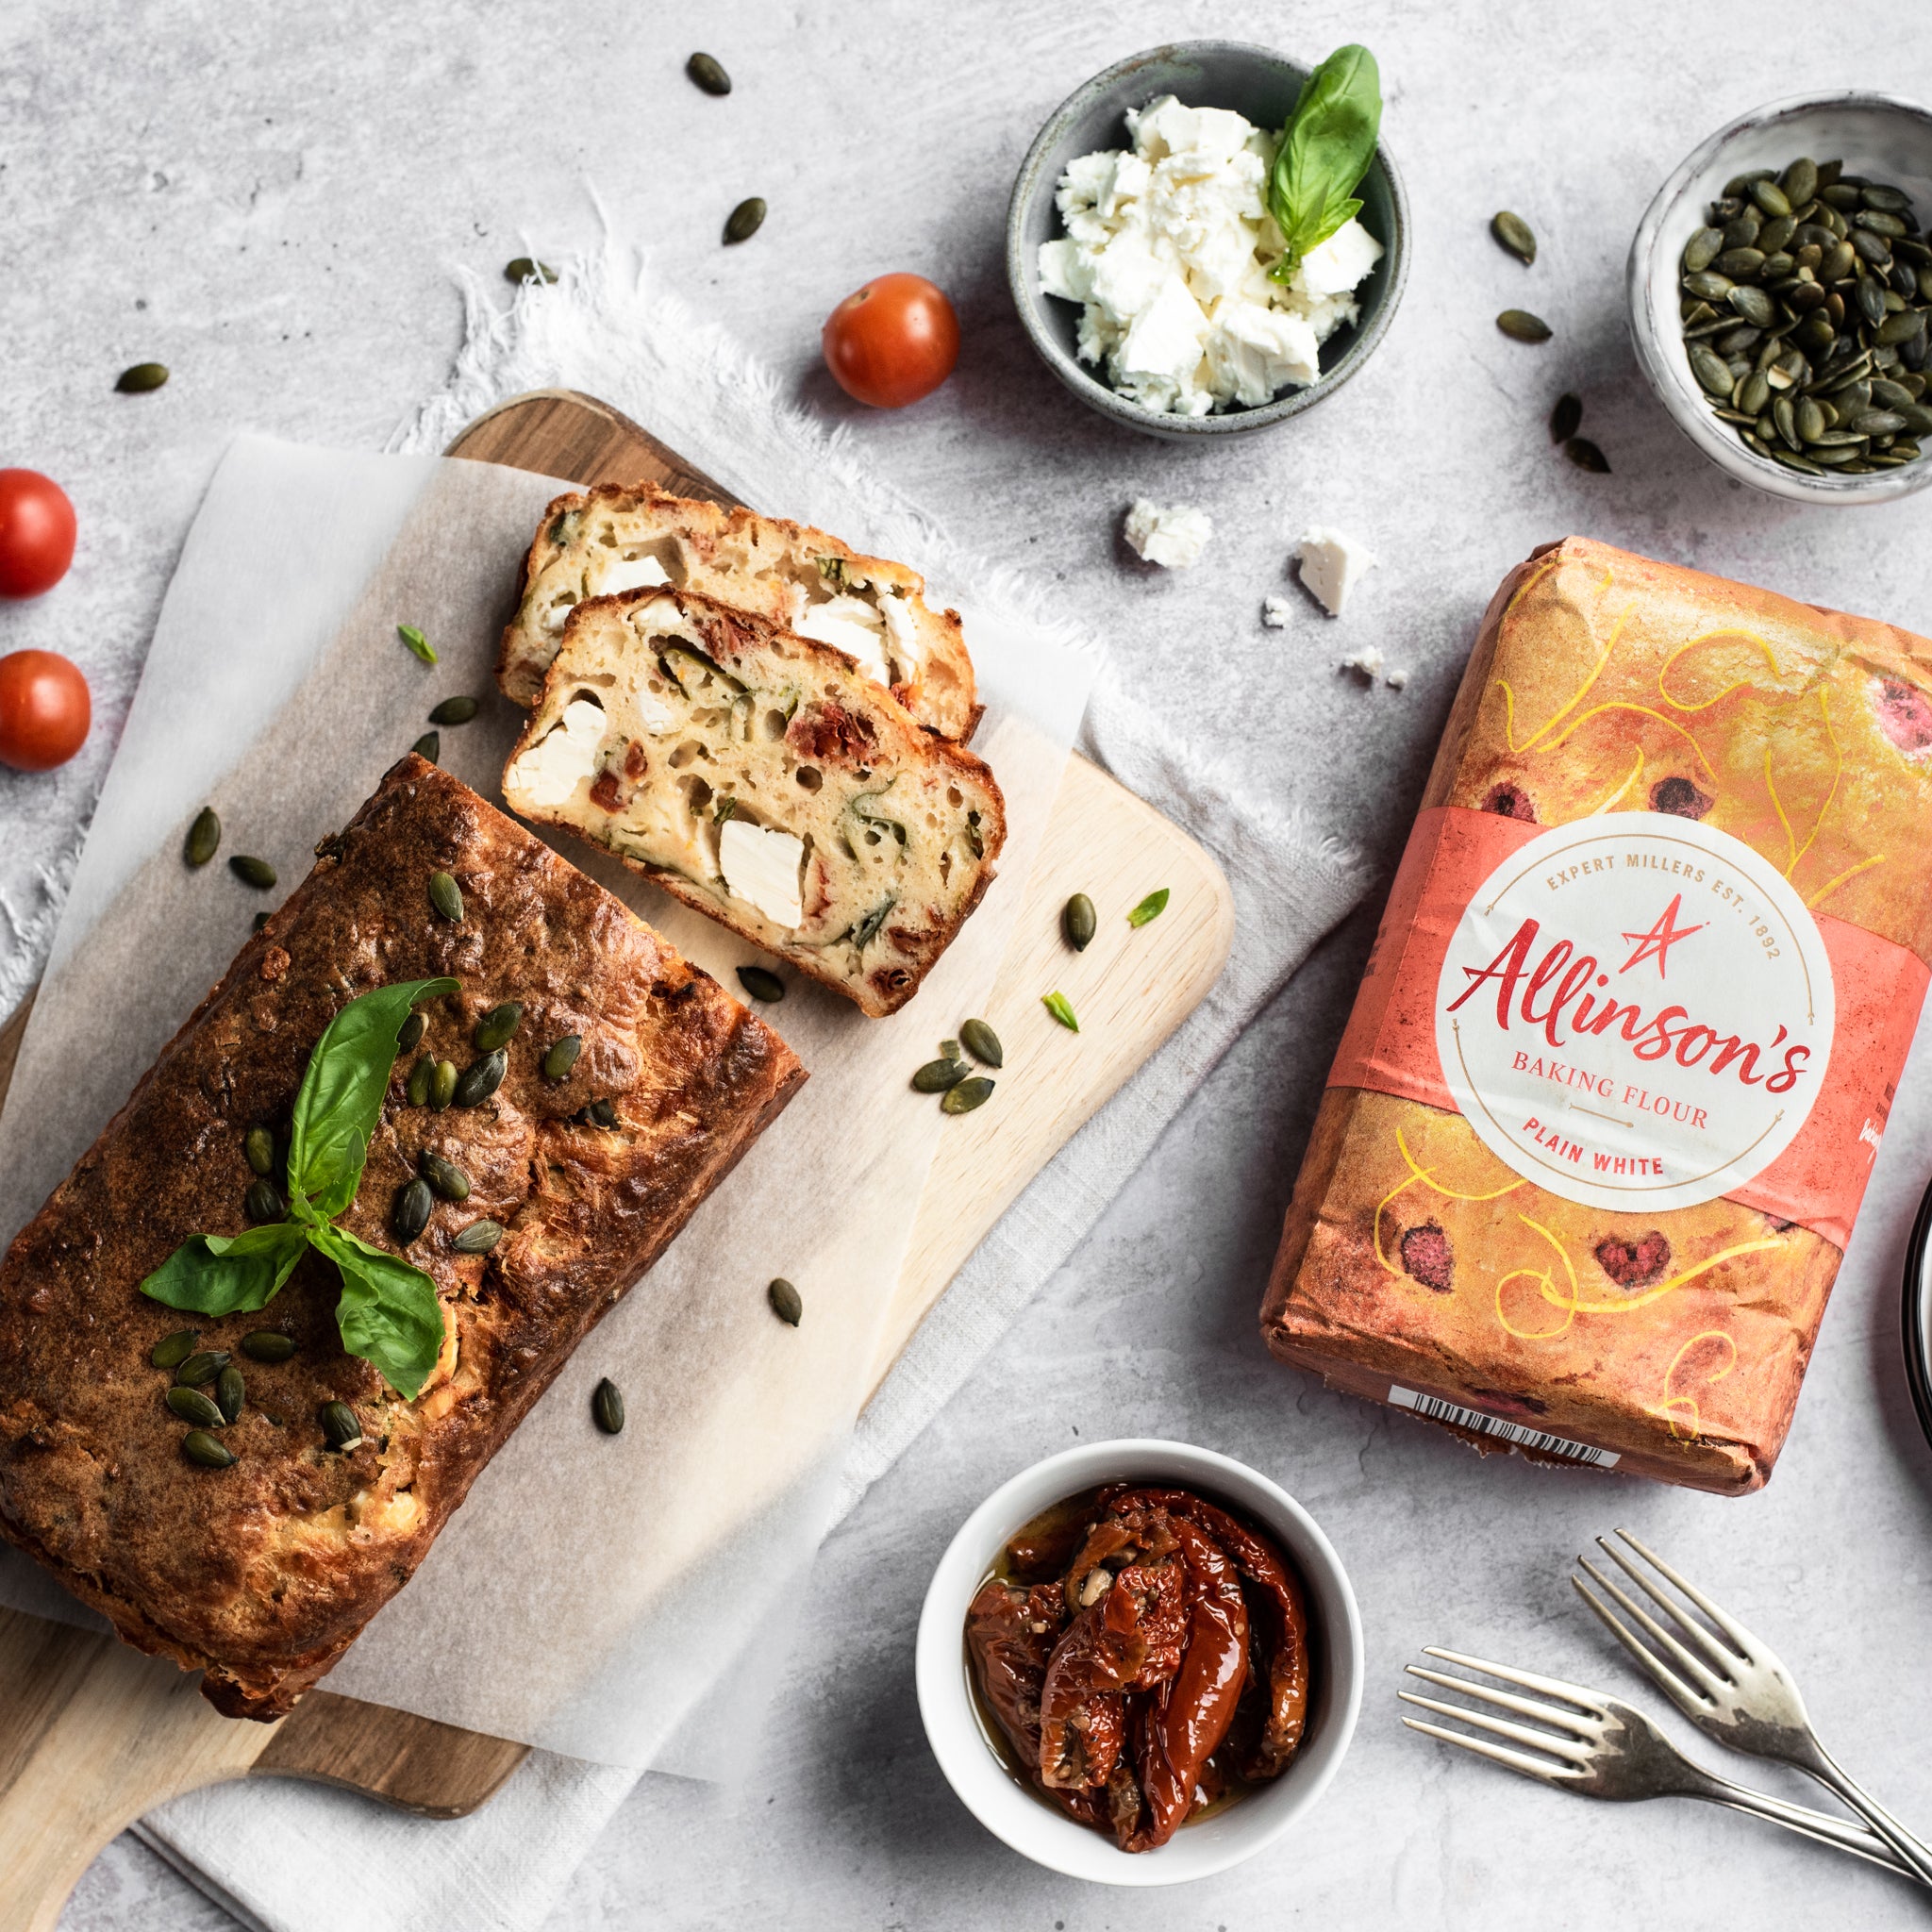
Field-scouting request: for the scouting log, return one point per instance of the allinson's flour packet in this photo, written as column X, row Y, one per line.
column 1596, row 1134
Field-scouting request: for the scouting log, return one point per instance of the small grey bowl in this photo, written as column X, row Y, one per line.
column 1254, row 82
column 1874, row 135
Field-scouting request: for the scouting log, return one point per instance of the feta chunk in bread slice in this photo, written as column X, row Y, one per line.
column 603, row 541
column 758, row 776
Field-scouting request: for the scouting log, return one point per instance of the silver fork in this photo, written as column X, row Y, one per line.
column 1604, row 1749
column 1736, row 1692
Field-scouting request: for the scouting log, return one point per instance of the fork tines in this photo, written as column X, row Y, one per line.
column 1568, row 1741
column 1708, row 1670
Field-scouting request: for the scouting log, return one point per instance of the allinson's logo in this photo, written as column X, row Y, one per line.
column 1636, row 1010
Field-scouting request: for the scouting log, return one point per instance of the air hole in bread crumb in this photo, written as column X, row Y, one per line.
column 953, row 796
column 810, row 778
column 697, row 794
column 685, row 753
column 775, row 724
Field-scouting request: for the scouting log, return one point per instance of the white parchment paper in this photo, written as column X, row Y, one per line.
column 593, row 1590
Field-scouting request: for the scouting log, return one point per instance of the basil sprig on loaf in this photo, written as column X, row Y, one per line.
column 388, row 1314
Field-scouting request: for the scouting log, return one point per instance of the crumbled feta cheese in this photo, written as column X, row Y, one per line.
column 1367, row 662
column 853, row 626
column 562, row 758
column 609, row 574
column 763, row 866
column 1168, row 249
column 1331, row 566
column 1397, row 678
column 1173, row 538
column 1275, row 612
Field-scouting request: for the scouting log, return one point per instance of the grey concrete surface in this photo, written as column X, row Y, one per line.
column 271, row 200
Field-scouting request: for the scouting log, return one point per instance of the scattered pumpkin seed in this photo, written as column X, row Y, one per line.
column 761, row 984
column 203, row 837
column 480, row 1078
column 967, row 1095
column 444, row 1177
column 199, row 1446
column 230, row 1392
column 983, row 1043
column 442, row 1084
column 259, row 921
column 607, row 1406
column 428, row 747
column 456, row 711
column 446, row 896
column 949, row 1049
column 1565, row 417
column 935, row 1076
column 562, row 1057
column 747, row 218
column 1077, row 922
column 171, row 1350
column 410, row 1214
column 417, row 643
column 258, row 1147
column 268, row 1346
column 254, row 871
column 420, row 1076
column 202, row 1366
column 1513, row 233
column 1062, row 1008
column 786, row 1303
column 341, row 1426
column 1587, row 455
column 1520, row 326
column 191, row 1406
column 478, row 1237
column 263, row 1201
column 141, row 378
column 409, row 1034
column 708, row 74
column 602, row 1114
column 526, row 268
column 499, row 1025
column 1149, row 909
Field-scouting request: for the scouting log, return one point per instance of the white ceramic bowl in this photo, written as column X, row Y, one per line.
column 1025, row 1820
column 1874, row 135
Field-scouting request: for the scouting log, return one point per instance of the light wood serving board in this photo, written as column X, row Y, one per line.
column 92, row 1733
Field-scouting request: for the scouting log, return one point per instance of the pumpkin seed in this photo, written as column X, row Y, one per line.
column 1740, row 261
column 478, row 1237
column 1078, row 923
column 1916, row 417
column 983, row 1043
column 428, row 747
column 141, row 378
column 1784, row 414
column 417, row 643
column 1587, row 455
column 1876, row 423
column 410, row 1214
column 602, row 1114
column 499, row 1025
column 1708, row 287
column 254, row 871
column 761, row 984
column 1769, row 197
column 268, row 1346
column 203, row 837
column 457, row 711
column 526, row 268
column 263, row 1201
column 1808, row 419
column 201, row 1368
column 341, row 1426
column 199, row 1446
column 786, row 1303
column 1755, row 305
column 480, row 1078
column 1889, row 199
column 1901, row 327
column 967, row 1095
column 607, row 1406
column 1868, row 247
column 446, row 896
column 1513, row 233
column 1520, row 326
column 1061, row 1007
column 1800, row 181
column 1565, row 417
column 1149, row 909
column 444, row 1177
column 420, row 1076
column 1701, row 249
column 709, row 75
column 1793, row 462
column 231, row 1392
column 1878, row 222
column 442, row 1084
column 1710, row 370
column 191, row 1406
column 936, row 1076
column 258, row 1147
column 1754, row 392
column 171, row 1350
column 409, row 1034
column 747, row 218
column 562, row 1057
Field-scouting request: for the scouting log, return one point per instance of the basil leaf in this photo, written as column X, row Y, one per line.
column 226, row 1274
column 389, row 1313
column 1326, row 150
column 342, row 1096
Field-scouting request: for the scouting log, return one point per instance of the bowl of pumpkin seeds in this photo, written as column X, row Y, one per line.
column 1780, row 294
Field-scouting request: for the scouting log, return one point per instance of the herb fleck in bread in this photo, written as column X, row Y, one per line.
column 755, row 776
column 612, row 538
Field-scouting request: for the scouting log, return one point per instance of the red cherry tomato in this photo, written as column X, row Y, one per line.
column 36, row 533
column 892, row 341
column 44, row 709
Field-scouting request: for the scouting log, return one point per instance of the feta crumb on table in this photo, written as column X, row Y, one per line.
column 1275, row 612
column 1332, row 565
column 1173, row 538
column 1397, row 680
column 1366, row 663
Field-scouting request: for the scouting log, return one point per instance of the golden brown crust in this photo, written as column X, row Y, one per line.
column 261, row 1575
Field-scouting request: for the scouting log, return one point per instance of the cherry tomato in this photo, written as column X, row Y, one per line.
column 892, row 341
column 44, row 709
column 36, row 533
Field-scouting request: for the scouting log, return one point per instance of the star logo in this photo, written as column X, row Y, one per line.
column 1658, row 942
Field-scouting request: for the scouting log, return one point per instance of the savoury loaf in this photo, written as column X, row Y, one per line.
column 261, row 1575
column 599, row 541
column 756, row 776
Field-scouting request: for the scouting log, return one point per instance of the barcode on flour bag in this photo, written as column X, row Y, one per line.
column 1440, row 1411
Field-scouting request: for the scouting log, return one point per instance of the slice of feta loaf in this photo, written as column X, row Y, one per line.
column 612, row 538
column 756, row 775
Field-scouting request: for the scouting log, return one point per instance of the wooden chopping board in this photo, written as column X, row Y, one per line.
column 92, row 1733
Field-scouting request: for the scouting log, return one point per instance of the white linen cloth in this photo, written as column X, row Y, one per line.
column 291, row 1857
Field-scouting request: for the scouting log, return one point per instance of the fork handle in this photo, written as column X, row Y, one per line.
column 1908, row 1849
column 1840, row 1834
